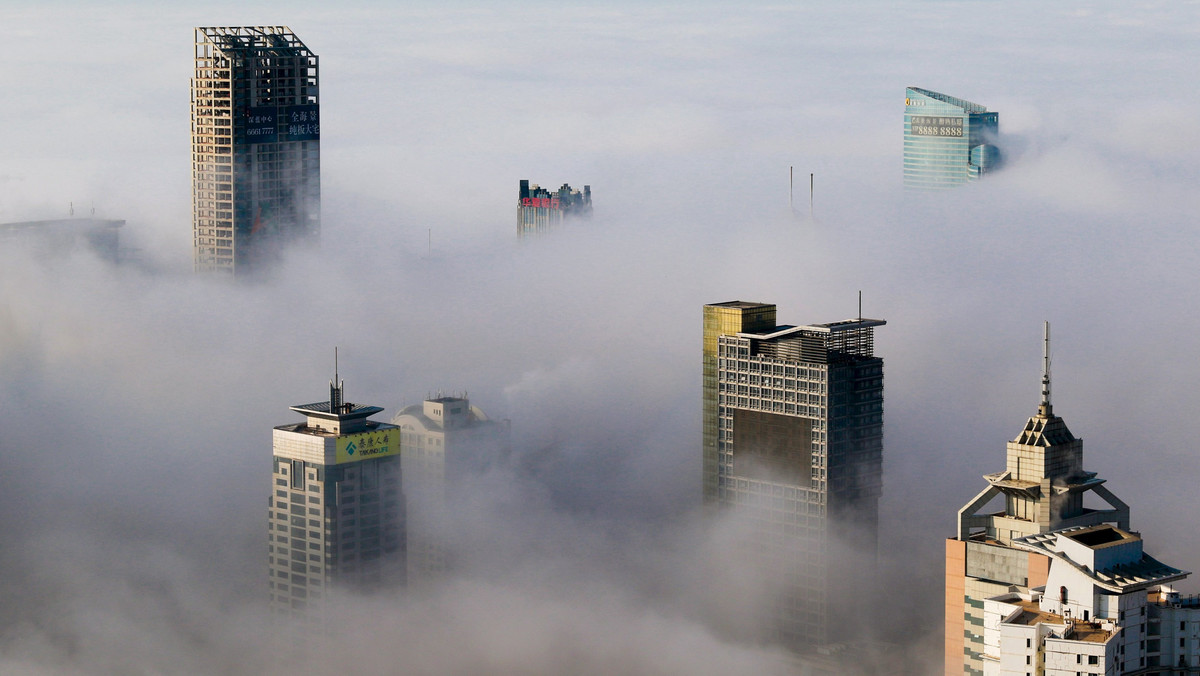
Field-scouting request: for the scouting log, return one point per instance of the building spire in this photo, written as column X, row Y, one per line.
column 1045, row 409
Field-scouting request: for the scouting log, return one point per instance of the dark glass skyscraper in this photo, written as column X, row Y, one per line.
column 947, row 141
column 793, row 445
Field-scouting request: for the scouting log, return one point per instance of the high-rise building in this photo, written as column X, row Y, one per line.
column 256, row 151
column 947, row 141
column 1039, row 583
column 539, row 210
column 793, row 443
column 336, row 517
column 444, row 441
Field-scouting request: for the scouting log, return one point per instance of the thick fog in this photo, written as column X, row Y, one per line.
column 136, row 402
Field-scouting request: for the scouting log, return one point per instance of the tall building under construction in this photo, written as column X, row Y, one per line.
column 793, row 446
column 540, row 210
column 256, row 154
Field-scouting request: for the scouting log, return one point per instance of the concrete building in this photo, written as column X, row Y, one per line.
column 1106, row 607
column 539, row 210
column 443, row 441
column 947, row 141
column 336, row 516
column 256, row 155
column 1041, row 584
column 793, row 442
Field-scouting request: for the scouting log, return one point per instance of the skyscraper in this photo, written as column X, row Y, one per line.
column 947, row 141
column 336, row 517
column 793, row 443
column 539, row 210
column 1042, row 584
column 256, row 154
column 444, row 441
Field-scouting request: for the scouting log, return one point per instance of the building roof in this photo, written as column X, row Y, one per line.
column 257, row 38
column 1031, row 614
column 966, row 105
column 1121, row 577
column 1044, row 431
column 740, row 304
column 321, row 409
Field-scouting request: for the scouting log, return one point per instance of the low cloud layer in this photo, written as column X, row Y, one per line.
column 136, row 402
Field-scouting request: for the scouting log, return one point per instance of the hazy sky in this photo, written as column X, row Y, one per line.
column 136, row 406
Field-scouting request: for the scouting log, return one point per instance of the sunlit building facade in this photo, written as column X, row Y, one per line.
column 793, row 445
column 256, row 155
column 336, row 515
column 947, row 141
column 540, row 210
column 1037, row 583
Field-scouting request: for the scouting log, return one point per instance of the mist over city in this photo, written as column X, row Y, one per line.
column 137, row 400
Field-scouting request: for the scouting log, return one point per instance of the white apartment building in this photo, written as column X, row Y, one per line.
column 1104, row 610
column 443, row 440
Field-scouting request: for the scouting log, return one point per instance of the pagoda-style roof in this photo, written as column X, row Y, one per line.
column 1044, row 431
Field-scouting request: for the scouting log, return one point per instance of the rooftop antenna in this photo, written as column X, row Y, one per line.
column 335, row 386
column 1045, row 408
column 811, row 186
column 71, row 207
column 429, row 251
column 791, row 190
column 860, row 305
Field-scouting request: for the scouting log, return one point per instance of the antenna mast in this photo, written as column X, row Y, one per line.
column 791, row 190
column 1045, row 408
column 335, row 386
column 811, row 187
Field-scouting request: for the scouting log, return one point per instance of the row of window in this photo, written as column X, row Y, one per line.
column 743, row 363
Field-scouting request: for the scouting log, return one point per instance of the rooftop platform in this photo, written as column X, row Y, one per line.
column 1031, row 615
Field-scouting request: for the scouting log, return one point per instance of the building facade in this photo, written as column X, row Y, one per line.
column 540, row 210
column 793, row 442
column 1037, row 583
column 336, row 516
column 947, row 141
column 256, row 156
column 443, row 441
column 1107, row 607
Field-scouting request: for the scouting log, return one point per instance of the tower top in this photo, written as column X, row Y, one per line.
column 1045, row 410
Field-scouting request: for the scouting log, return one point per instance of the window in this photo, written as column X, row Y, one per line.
column 298, row 474
column 1092, row 659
